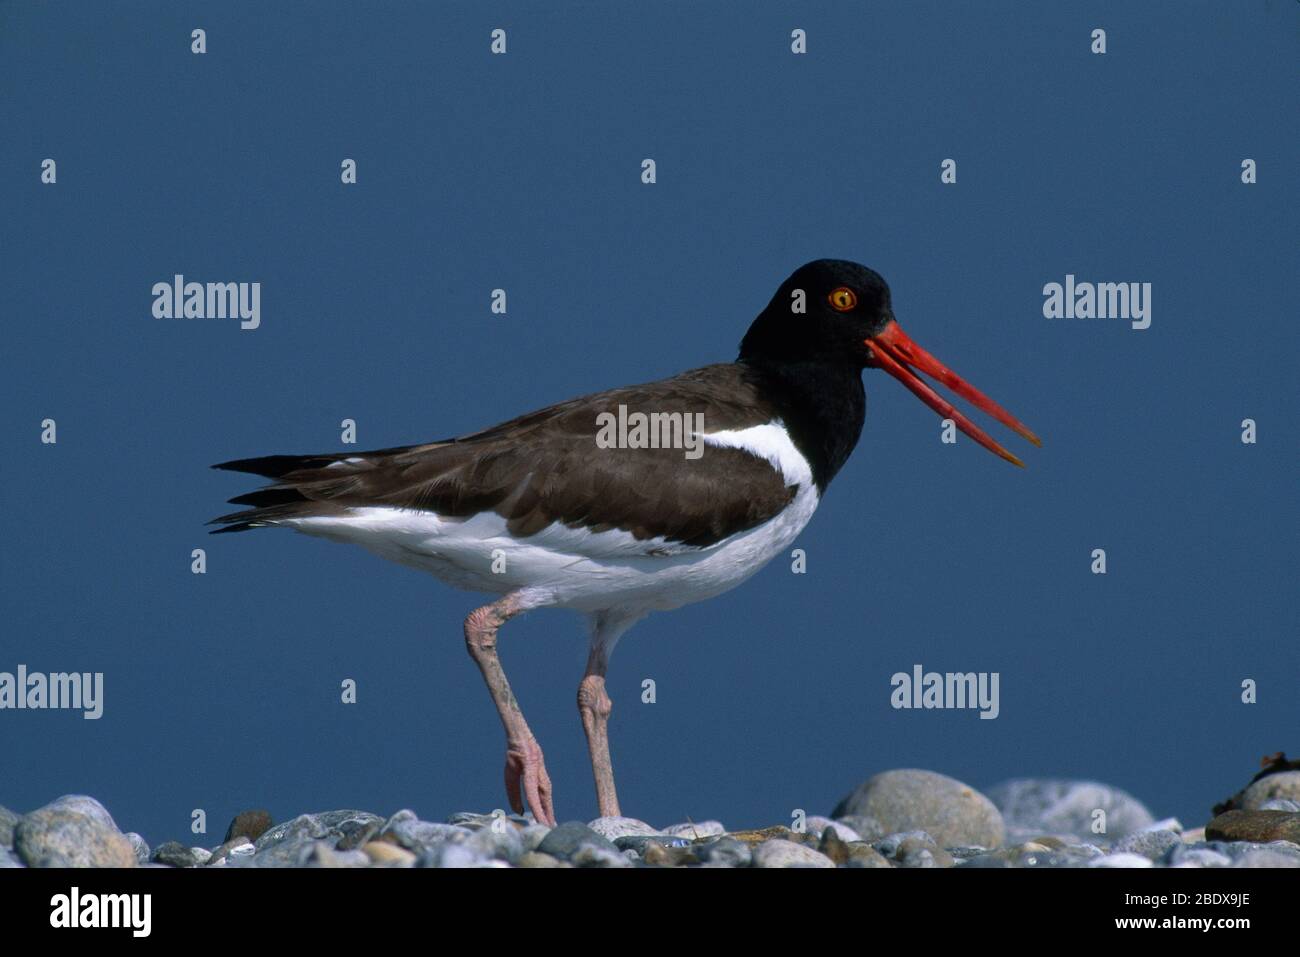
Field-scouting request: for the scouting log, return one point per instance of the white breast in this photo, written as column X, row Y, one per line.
column 574, row 568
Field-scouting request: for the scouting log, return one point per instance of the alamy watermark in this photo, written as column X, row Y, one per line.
column 80, row 691
column 931, row 689
column 1102, row 300
column 651, row 430
column 179, row 299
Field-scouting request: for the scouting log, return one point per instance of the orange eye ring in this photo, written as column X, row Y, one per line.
column 842, row 299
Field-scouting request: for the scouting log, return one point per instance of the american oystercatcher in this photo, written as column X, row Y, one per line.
column 617, row 504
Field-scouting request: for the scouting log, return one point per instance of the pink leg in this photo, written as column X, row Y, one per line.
column 525, row 774
column 594, row 706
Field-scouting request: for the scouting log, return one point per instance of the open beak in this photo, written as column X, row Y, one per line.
column 896, row 353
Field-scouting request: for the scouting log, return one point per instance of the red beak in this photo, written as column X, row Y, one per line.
column 896, row 353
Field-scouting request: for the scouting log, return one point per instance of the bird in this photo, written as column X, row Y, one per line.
column 581, row 505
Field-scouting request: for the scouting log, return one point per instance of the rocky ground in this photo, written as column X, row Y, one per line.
column 903, row 818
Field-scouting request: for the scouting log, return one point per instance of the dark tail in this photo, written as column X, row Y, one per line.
column 275, row 501
column 304, row 485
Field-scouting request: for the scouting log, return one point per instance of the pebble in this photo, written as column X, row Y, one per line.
column 408, row 831
column 662, row 855
column 1120, row 860
column 140, row 846
column 1280, row 804
column 782, row 853
column 592, row 855
column 383, row 854
column 612, row 828
column 760, row 835
column 1065, row 808
column 499, row 840
column 176, row 854
column 866, row 827
column 250, row 824
column 1151, row 844
column 694, row 830
column 1276, row 854
column 73, row 831
column 641, row 843
column 533, row 835
column 323, row 854
column 327, row 825
column 724, row 852
column 818, row 826
column 534, row 859
column 1257, row 826
column 567, row 839
column 863, row 855
column 8, row 821
column 286, row 853
column 889, row 844
column 915, row 852
column 86, row 806
column 238, row 846
column 952, row 812
column 474, row 820
column 449, row 854
column 1284, row 785
column 1185, row 856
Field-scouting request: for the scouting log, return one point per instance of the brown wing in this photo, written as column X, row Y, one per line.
column 547, row 467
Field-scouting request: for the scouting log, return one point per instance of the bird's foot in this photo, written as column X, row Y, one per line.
column 526, row 778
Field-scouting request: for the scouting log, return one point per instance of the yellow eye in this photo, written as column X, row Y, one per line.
column 843, row 299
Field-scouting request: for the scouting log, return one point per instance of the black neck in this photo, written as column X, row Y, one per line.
column 823, row 406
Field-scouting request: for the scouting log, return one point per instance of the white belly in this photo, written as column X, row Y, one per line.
column 574, row 568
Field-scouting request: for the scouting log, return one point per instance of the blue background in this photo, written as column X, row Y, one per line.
column 523, row 172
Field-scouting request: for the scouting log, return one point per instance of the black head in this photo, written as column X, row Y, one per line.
column 831, row 319
column 826, row 311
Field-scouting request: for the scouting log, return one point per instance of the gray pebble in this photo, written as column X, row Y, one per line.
column 1273, row 854
column 140, row 846
column 74, row 831
column 86, row 806
column 911, row 799
column 533, row 835
column 323, row 854
column 866, row 827
column 175, row 854
column 408, row 831
column 1280, row 804
column 1197, row 856
column 8, row 821
column 1283, row 784
column 724, row 852
column 500, row 840
column 450, row 854
column 333, row 826
column 592, row 855
column 696, row 829
column 1120, row 860
column 890, row 843
column 240, row 846
column 637, row 843
column 612, row 828
column 1064, row 807
column 567, row 839
column 817, row 825
column 1153, row 845
column 782, row 853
